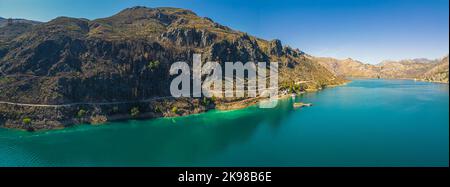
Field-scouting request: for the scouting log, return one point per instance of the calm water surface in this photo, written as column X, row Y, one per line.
column 365, row 123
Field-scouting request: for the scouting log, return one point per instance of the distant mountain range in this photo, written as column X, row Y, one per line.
column 420, row 69
column 5, row 22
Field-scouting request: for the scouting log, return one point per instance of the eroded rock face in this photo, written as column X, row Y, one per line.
column 242, row 50
column 189, row 37
column 275, row 48
column 292, row 52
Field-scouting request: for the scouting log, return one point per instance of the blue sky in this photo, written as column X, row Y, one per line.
column 366, row 30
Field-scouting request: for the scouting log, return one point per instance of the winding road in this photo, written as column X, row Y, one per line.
column 85, row 103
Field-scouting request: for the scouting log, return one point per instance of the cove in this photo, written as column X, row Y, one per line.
column 364, row 123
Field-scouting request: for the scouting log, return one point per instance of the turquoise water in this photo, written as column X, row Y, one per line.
column 365, row 123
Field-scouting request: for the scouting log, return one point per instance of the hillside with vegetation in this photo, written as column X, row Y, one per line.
column 71, row 70
column 5, row 22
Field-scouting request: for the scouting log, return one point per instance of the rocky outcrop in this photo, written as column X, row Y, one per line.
column 275, row 48
column 242, row 49
column 189, row 37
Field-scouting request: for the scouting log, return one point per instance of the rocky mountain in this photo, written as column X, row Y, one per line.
column 348, row 67
column 5, row 22
column 421, row 69
column 439, row 73
column 11, row 28
column 125, row 57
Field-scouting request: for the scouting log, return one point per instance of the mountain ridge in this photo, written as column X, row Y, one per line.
column 6, row 21
column 435, row 70
column 127, row 57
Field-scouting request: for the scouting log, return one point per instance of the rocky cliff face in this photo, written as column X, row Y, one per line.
column 421, row 69
column 70, row 60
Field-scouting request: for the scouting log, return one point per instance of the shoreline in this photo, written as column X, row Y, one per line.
column 100, row 119
column 410, row 79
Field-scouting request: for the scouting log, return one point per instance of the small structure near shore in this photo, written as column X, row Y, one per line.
column 301, row 105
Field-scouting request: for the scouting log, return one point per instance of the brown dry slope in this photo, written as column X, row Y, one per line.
column 419, row 69
column 438, row 73
column 348, row 67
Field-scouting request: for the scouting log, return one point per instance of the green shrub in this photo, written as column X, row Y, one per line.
column 205, row 101
column 26, row 121
column 115, row 109
column 153, row 65
column 134, row 112
column 175, row 110
column 5, row 79
column 297, row 88
column 81, row 113
column 157, row 109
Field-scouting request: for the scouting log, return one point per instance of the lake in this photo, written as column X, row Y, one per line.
column 364, row 123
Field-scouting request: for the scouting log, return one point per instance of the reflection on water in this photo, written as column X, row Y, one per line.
column 166, row 141
column 366, row 123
